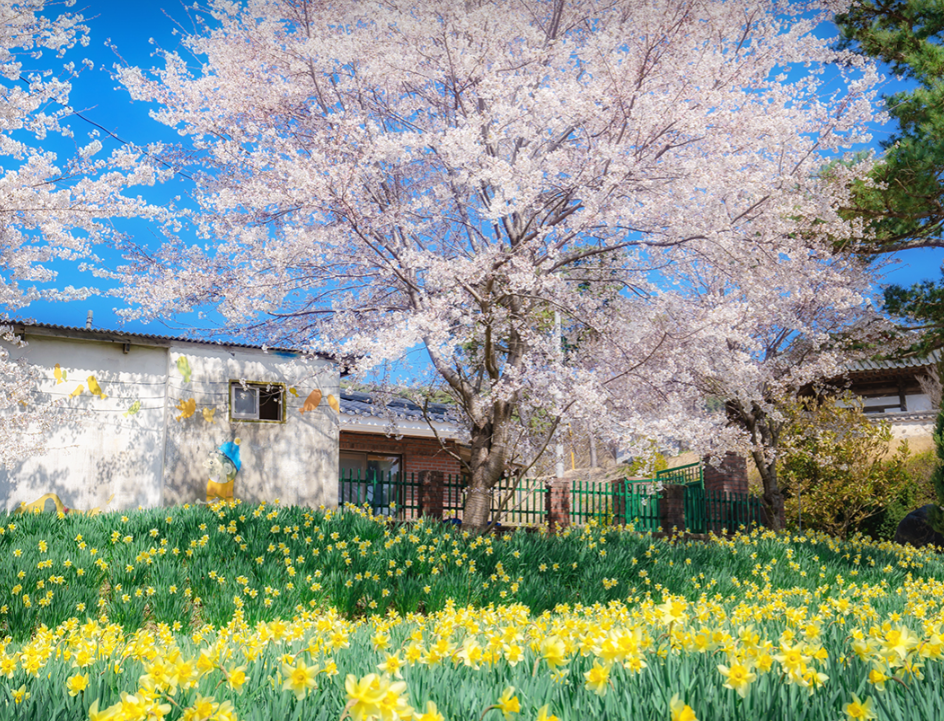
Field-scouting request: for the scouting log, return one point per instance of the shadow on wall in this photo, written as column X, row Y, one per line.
column 294, row 461
column 98, row 457
column 15, row 493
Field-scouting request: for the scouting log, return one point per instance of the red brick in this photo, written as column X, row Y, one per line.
column 672, row 508
column 730, row 475
column 557, row 504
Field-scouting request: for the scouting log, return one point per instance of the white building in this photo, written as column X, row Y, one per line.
column 151, row 413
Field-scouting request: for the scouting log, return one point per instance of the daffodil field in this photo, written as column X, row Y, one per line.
column 264, row 612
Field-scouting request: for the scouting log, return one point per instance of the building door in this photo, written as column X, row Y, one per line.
column 369, row 478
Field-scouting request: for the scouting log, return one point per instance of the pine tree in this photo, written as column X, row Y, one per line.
column 904, row 205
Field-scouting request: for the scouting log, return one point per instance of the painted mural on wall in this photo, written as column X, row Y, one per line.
column 156, row 413
column 224, row 464
column 94, row 388
column 314, row 400
column 311, row 402
column 39, row 505
column 183, row 365
column 186, row 407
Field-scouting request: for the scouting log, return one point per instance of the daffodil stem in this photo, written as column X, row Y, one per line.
column 487, row 709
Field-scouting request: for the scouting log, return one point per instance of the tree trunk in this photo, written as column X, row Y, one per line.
column 487, row 465
column 765, row 437
column 773, row 496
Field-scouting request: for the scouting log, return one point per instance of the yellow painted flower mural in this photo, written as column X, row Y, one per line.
column 186, row 407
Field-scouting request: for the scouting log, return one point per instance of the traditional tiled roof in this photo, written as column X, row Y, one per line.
column 357, row 403
column 895, row 365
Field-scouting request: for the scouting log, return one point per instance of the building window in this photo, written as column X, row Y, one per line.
column 261, row 402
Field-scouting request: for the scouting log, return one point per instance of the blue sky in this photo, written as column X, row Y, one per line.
column 135, row 30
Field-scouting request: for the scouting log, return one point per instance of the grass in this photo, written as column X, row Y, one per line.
column 265, row 588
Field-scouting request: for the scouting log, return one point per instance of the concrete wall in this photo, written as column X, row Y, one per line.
column 295, row 461
column 109, row 446
column 139, row 429
column 916, row 428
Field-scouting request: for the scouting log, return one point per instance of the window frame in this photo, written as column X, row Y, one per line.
column 258, row 386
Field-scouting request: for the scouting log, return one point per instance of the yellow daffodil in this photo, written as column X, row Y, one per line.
column 431, row 713
column 109, row 714
column 392, row 665
column 859, row 709
column 597, row 679
column 236, row 677
column 737, row 677
column 77, row 684
column 554, row 651
column 508, row 703
column 544, row 715
column 299, row 679
column 364, row 696
column 680, row 710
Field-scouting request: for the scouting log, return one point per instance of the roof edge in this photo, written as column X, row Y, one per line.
column 105, row 335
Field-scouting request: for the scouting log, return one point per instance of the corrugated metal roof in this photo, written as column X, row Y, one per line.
column 887, row 365
column 110, row 334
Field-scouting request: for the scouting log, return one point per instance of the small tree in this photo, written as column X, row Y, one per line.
column 835, row 467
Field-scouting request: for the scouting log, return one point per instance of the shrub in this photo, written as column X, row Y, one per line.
column 835, row 468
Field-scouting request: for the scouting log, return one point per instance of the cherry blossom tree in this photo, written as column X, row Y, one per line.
column 376, row 175
column 49, row 211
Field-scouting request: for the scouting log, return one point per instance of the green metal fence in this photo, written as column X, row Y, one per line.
column 512, row 504
column 520, row 504
column 619, row 502
column 454, row 493
column 719, row 510
column 379, row 491
column 691, row 474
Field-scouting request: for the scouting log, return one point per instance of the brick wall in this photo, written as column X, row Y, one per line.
column 730, row 475
column 672, row 508
column 419, row 454
column 557, row 504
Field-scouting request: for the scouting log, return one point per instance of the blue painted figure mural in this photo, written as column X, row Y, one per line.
column 224, row 465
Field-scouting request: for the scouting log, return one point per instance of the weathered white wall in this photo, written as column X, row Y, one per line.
column 124, row 444
column 295, row 461
column 101, row 452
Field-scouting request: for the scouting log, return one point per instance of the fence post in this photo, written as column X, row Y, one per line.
column 557, row 504
column 431, row 494
column 672, row 507
column 618, row 490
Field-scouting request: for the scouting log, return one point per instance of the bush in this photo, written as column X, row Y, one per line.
column 835, row 468
column 918, row 492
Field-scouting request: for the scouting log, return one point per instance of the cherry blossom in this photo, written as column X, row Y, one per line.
column 373, row 176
